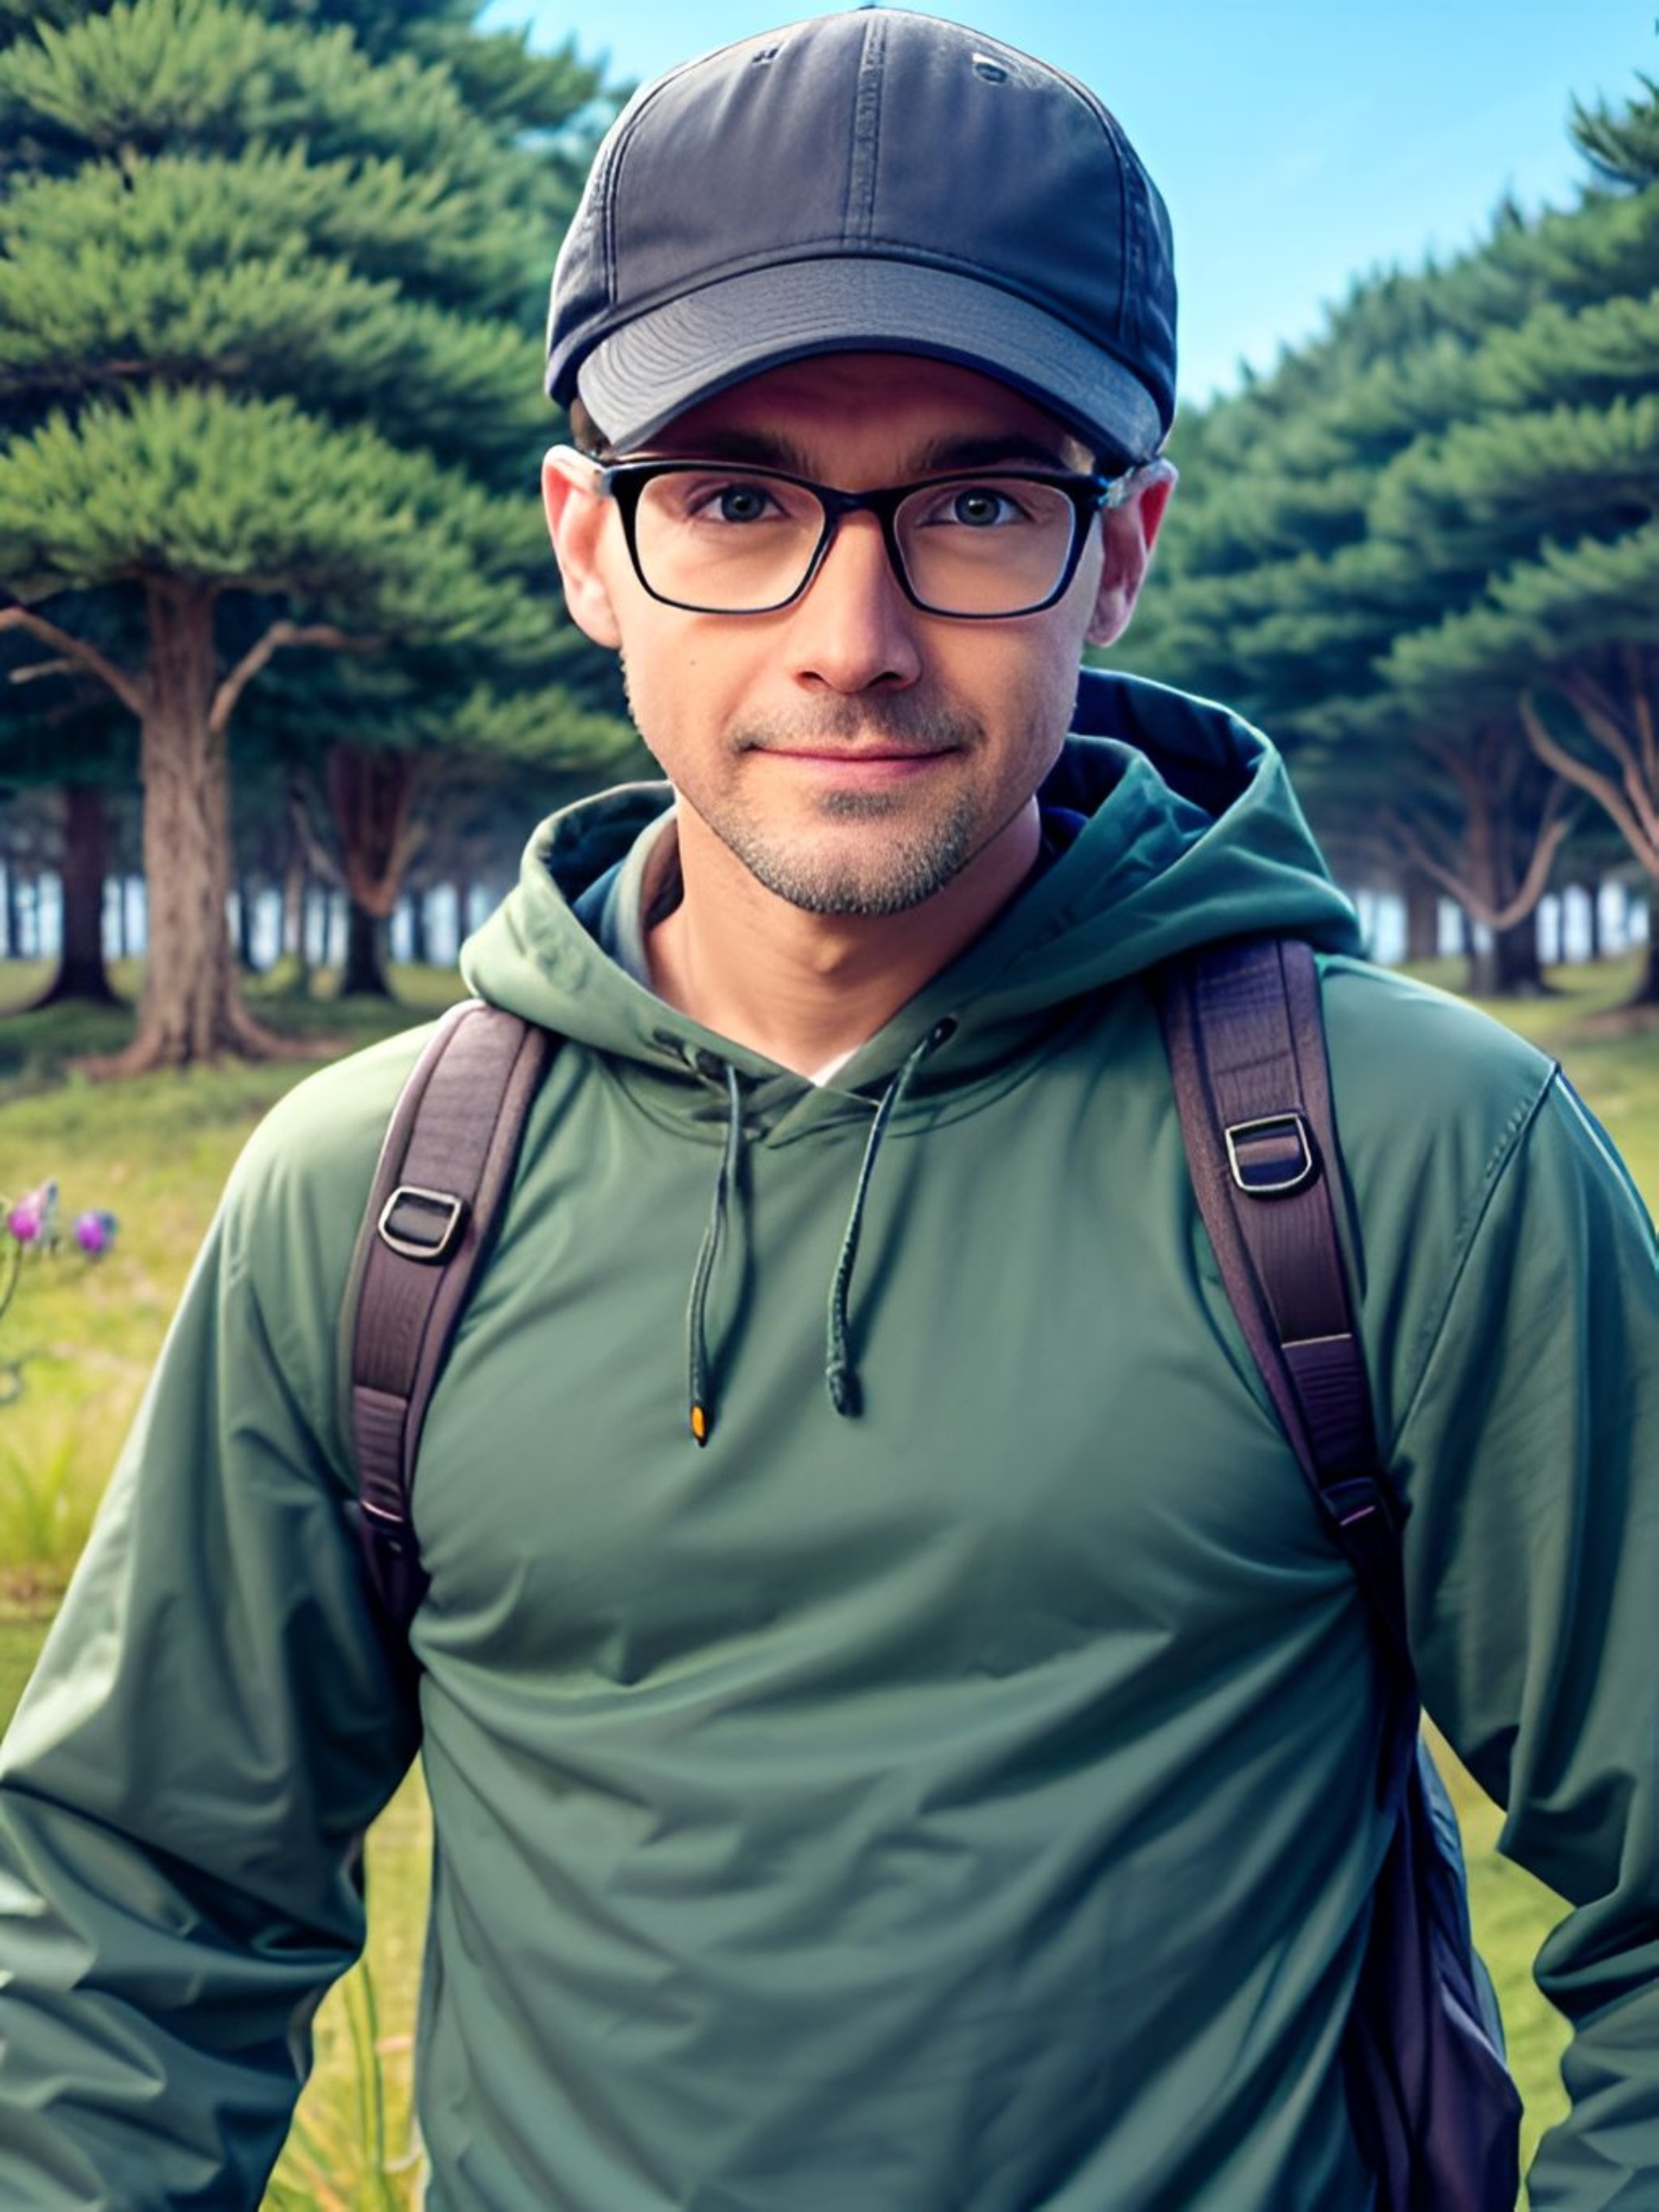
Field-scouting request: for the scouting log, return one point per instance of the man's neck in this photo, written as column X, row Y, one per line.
column 803, row 988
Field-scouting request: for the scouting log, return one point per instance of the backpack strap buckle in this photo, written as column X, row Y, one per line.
column 420, row 1224
column 1273, row 1157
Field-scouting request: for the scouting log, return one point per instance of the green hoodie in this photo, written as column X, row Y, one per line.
column 955, row 1798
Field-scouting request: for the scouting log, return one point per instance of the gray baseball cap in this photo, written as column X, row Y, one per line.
column 876, row 179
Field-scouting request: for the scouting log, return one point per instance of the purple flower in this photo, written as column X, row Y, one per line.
column 31, row 1219
column 95, row 1232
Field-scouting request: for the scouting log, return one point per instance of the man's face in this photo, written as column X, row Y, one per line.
column 853, row 754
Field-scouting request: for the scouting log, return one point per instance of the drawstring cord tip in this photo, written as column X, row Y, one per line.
column 700, row 1423
column 843, row 1386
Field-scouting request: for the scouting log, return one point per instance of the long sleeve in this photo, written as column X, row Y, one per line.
column 212, row 1725
column 1531, row 1451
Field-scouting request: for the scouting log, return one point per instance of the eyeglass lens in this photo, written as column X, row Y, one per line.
column 734, row 544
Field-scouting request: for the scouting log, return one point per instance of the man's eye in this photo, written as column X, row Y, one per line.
column 978, row 507
column 973, row 506
column 731, row 503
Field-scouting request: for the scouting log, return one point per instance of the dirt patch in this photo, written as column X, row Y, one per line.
column 1641, row 1021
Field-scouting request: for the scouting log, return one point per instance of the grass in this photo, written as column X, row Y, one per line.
column 20, row 1642
column 353, row 2146
column 157, row 1151
column 1609, row 1049
column 40, row 1044
column 1511, row 1912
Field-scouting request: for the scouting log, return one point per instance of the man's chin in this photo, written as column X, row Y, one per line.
column 850, row 886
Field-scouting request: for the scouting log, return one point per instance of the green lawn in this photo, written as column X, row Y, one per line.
column 157, row 1151
column 20, row 1639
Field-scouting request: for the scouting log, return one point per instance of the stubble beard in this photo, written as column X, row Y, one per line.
column 889, row 873
column 909, row 856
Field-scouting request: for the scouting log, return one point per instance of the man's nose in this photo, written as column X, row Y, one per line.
column 853, row 628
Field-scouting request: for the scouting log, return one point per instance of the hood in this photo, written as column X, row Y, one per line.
column 1174, row 824
column 1183, row 828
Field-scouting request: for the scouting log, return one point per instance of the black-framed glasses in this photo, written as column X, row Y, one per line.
column 719, row 537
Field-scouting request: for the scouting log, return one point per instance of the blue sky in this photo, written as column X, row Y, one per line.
column 1297, row 143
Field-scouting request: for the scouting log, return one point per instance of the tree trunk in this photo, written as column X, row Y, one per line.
column 1520, row 970
column 1469, row 947
column 1597, row 949
column 364, row 975
column 81, row 973
column 420, row 949
column 296, row 904
column 12, row 947
column 1508, row 967
column 1646, row 988
column 191, row 1007
column 1422, row 901
column 1495, row 838
column 245, row 897
column 372, row 790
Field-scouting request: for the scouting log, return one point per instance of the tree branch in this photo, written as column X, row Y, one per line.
column 1520, row 903
column 1431, row 864
column 37, row 669
column 411, row 837
column 262, row 651
column 1601, row 788
column 127, row 689
column 1535, row 881
column 1454, row 758
column 1601, row 716
column 321, row 861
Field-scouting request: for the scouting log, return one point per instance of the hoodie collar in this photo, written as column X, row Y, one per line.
column 1185, row 830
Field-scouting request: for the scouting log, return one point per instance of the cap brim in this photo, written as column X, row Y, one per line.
column 661, row 362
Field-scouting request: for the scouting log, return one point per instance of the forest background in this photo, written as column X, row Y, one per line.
column 281, row 652
column 280, row 639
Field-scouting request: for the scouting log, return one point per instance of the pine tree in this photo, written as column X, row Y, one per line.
column 375, row 750
column 1551, row 488
column 63, row 733
column 68, row 742
column 1273, row 589
column 269, row 382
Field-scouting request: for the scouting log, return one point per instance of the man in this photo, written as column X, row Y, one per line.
column 952, row 1786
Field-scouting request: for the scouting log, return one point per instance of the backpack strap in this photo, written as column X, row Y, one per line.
column 1435, row 2114
column 1245, row 1036
column 444, row 1169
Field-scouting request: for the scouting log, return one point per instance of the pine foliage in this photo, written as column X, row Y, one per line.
column 271, row 287
column 290, row 298
column 1423, row 549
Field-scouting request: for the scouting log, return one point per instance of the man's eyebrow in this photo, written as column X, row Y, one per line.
column 1009, row 448
column 940, row 456
column 761, row 448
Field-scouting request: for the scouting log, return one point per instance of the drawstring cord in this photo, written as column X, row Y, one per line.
column 713, row 1237
column 839, row 1379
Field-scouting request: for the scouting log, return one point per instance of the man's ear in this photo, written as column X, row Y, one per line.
column 1129, row 533
column 577, row 522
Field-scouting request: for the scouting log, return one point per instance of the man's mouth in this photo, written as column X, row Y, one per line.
column 860, row 764
column 856, row 755
column 873, row 734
